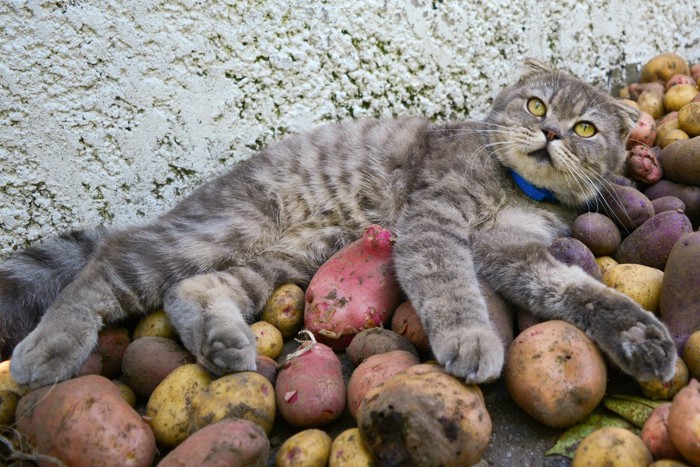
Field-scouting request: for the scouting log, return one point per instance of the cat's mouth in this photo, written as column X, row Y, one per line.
column 541, row 155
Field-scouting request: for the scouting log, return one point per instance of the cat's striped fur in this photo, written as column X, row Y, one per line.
column 444, row 189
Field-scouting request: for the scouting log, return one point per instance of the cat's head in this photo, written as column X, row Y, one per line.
column 559, row 132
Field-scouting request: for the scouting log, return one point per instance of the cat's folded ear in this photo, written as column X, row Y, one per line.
column 628, row 117
column 533, row 67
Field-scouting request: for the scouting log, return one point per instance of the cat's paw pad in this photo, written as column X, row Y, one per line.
column 648, row 350
column 228, row 348
column 50, row 356
column 476, row 355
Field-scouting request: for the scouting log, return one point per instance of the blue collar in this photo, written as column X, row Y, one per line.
column 538, row 194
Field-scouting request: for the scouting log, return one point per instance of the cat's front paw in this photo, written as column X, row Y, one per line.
column 648, row 351
column 49, row 355
column 228, row 347
column 476, row 354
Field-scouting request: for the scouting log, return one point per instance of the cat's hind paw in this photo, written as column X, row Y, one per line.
column 48, row 356
column 476, row 355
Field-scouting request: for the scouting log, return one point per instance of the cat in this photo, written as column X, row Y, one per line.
column 465, row 199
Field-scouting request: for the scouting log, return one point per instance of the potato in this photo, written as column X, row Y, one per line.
column 612, row 447
column 92, row 365
column 664, row 135
column 644, row 131
column 626, row 206
column 690, row 195
column 667, row 203
column 168, row 408
column 673, row 136
column 148, row 360
column 85, row 421
column 605, row 263
column 684, row 422
column 655, row 434
column 231, row 442
column 156, row 324
column 423, row 416
column 663, row 67
column 376, row 341
column 641, row 283
column 679, row 302
column 8, row 405
column 643, row 164
column 127, row 393
column 695, row 71
column 651, row 243
column 680, row 161
column 374, row 370
column 268, row 339
column 574, row 253
column 679, row 79
column 354, row 290
column 406, row 322
column 652, row 102
column 285, row 309
column 310, row 388
column 501, row 313
column 348, row 450
column 691, row 354
column 112, row 343
column 689, row 118
column 525, row 319
column 598, row 232
column 555, row 373
column 247, row 395
column 679, row 95
column 8, row 383
column 656, row 389
column 667, row 463
column 266, row 367
column 308, row 448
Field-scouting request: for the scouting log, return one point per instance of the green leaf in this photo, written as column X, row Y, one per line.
column 600, row 418
column 632, row 408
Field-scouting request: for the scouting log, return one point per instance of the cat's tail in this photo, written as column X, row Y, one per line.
column 31, row 279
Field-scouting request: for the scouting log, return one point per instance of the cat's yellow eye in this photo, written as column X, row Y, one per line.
column 585, row 129
column 536, row 107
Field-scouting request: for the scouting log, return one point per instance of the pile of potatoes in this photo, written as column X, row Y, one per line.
column 363, row 361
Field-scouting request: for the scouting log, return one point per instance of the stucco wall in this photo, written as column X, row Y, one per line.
column 111, row 110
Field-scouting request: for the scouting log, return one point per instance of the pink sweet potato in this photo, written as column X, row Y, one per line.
column 643, row 163
column 310, row 389
column 354, row 290
column 644, row 132
column 85, row 421
column 373, row 371
column 231, row 442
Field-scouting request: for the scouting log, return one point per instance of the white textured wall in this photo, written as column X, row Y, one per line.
column 110, row 110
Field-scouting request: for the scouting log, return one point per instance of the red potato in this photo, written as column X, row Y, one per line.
column 644, row 132
column 266, row 367
column 574, row 253
column 655, row 434
column 690, row 195
column 637, row 89
column 373, row 371
column 111, row 345
column 651, row 243
column 85, row 421
column 354, row 290
column 148, row 360
column 680, row 79
column 406, row 322
column 310, row 389
column 643, row 164
column 679, row 302
column 229, row 442
column 684, row 422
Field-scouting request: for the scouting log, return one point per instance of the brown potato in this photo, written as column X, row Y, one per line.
column 285, row 309
column 652, row 103
column 268, row 339
column 112, row 342
column 663, row 67
column 681, row 161
column 406, row 322
column 689, row 118
column 691, row 354
column 555, row 373
column 156, row 324
column 308, row 448
column 375, row 341
column 612, row 447
column 678, row 96
column 656, row 389
column 640, row 283
column 348, row 450
column 8, row 404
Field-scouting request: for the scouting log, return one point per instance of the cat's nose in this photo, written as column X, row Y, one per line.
column 550, row 134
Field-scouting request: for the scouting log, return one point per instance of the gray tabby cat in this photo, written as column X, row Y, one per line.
column 448, row 191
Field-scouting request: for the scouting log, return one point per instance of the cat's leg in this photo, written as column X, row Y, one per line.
column 522, row 270
column 435, row 268
column 211, row 312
